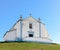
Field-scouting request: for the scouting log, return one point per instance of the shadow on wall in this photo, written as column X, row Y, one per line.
column 18, row 39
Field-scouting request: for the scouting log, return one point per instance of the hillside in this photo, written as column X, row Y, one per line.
column 28, row 46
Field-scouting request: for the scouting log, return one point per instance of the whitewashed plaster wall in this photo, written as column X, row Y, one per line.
column 17, row 27
column 25, row 27
column 33, row 39
column 25, row 31
column 42, row 30
column 10, row 36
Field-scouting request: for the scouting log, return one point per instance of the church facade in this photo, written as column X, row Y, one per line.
column 28, row 29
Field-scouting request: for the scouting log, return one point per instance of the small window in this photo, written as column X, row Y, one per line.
column 30, row 35
column 30, row 26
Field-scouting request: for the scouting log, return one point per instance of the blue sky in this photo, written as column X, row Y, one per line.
column 47, row 10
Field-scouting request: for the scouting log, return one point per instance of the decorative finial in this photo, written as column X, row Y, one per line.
column 39, row 19
column 21, row 17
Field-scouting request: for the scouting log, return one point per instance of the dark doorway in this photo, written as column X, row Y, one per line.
column 30, row 35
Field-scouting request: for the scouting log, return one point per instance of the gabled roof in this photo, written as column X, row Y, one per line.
column 31, row 17
column 34, row 19
column 8, row 31
column 11, row 28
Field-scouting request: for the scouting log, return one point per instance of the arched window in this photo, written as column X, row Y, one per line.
column 30, row 25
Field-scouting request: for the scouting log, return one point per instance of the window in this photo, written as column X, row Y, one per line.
column 30, row 35
column 30, row 26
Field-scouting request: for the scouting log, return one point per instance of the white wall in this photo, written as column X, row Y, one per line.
column 13, row 34
column 47, row 34
column 10, row 36
column 42, row 30
column 25, row 27
column 35, row 29
column 17, row 26
column 16, row 34
column 33, row 39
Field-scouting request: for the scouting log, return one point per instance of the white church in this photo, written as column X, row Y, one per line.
column 29, row 30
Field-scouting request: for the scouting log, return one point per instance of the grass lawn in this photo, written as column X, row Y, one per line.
column 28, row 46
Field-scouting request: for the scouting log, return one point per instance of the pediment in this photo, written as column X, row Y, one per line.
column 31, row 19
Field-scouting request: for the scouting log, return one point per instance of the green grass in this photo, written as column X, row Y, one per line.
column 28, row 46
